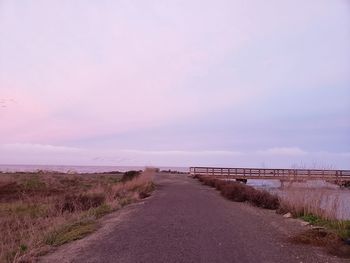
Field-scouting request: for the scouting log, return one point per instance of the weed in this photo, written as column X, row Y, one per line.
column 100, row 211
column 23, row 247
column 125, row 201
column 145, row 190
column 70, row 232
column 341, row 228
column 317, row 237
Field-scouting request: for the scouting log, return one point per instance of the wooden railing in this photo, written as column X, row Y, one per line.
column 280, row 174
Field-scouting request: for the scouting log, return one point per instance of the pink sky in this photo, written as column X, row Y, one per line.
column 175, row 83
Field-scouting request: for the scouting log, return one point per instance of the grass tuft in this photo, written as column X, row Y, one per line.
column 100, row 211
column 70, row 232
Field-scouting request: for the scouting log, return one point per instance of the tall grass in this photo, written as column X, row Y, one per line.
column 47, row 209
column 301, row 202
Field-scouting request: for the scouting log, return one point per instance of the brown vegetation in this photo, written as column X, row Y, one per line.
column 39, row 210
column 240, row 192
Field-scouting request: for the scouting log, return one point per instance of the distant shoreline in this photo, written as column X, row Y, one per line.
column 79, row 168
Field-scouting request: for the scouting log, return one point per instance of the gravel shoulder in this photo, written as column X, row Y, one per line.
column 184, row 221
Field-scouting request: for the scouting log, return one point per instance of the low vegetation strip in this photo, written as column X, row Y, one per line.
column 242, row 193
column 45, row 209
column 327, row 231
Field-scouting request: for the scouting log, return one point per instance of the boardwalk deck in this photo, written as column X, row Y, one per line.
column 278, row 174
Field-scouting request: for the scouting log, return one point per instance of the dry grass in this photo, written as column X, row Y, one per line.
column 305, row 201
column 39, row 210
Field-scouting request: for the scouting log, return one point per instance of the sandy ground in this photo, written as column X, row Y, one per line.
column 184, row 221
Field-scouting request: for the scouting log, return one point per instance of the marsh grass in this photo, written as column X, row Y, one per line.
column 302, row 202
column 39, row 210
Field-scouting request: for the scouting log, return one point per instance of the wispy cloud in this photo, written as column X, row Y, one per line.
column 291, row 151
column 185, row 153
column 32, row 148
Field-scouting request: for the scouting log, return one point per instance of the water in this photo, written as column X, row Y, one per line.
column 79, row 168
column 329, row 197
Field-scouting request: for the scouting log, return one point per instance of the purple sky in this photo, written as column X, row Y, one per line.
column 175, row 83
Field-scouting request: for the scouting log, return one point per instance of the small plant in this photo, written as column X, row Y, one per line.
column 100, row 211
column 125, row 201
column 70, row 232
column 145, row 190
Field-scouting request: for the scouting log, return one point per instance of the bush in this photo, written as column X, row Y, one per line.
column 264, row 199
column 129, row 175
column 235, row 192
column 240, row 192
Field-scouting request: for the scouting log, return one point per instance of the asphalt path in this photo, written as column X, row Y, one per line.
column 185, row 221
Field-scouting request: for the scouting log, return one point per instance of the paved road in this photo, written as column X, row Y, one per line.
column 184, row 221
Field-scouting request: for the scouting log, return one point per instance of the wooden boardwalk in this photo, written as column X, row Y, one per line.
column 337, row 176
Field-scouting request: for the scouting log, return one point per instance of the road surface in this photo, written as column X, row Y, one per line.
column 184, row 221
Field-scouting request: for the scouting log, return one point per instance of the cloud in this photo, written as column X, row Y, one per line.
column 186, row 153
column 282, row 157
column 31, row 148
column 293, row 151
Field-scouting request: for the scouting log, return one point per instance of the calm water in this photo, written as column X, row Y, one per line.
column 79, row 169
